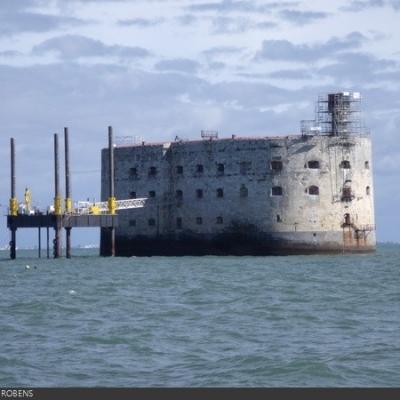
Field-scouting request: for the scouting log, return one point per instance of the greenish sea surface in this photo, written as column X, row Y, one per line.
column 326, row 321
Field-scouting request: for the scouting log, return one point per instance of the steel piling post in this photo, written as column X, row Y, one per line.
column 57, row 200
column 111, row 198
column 68, row 201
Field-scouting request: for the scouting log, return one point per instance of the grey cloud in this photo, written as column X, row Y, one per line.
column 246, row 6
column 285, row 50
column 291, row 74
column 230, row 25
column 179, row 65
column 302, row 17
column 266, row 25
column 216, row 65
column 187, row 19
column 70, row 47
column 141, row 22
column 395, row 4
column 361, row 5
column 12, row 23
column 18, row 16
column 9, row 53
column 225, row 24
column 360, row 69
column 222, row 25
column 19, row 5
column 222, row 50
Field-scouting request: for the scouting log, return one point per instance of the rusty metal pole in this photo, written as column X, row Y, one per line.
column 13, row 202
column 57, row 200
column 111, row 198
column 68, row 201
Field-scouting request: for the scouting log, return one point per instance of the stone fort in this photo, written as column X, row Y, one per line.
column 297, row 194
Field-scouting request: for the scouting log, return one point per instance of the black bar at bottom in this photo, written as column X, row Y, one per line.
column 207, row 393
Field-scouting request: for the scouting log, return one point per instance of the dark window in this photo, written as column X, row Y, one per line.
column 347, row 220
column 179, row 169
column 220, row 220
column 199, row 168
column 245, row 167
column 179, row 223
column 133, row 172
column 368, row 190
column 152, row 193
column 152, row 171
column 199, row 220
column 132, row 222
column 366, row 164
column 276, row 165
column 347, row 194
column 199, row 193
column 278, row 218
column 345, row 164
column 132, row 195
column 152, row 222
column 313, row 164
column 179, row 194
column 220, row 169
column 313, row 190
column 277, row 191
column 220, row 192
column 244, row 192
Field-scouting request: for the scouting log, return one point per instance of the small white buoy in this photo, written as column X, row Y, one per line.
column 72, row 292
column 27, row 267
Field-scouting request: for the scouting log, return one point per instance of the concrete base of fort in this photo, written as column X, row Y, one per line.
column 282, row 243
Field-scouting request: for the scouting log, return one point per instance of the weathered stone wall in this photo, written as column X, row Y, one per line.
column 251, row 208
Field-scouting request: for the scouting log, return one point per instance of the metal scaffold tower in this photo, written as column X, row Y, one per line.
column 336, row 114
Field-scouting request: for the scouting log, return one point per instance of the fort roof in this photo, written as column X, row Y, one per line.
column 128, row 141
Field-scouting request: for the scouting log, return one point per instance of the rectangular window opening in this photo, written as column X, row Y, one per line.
column 276, row 165
column 152, row 222
column 152, row 171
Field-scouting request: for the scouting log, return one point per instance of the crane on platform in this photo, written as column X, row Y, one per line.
column 103, row 207
column 82, row 207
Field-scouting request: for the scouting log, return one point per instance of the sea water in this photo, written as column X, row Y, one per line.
column 330, row 321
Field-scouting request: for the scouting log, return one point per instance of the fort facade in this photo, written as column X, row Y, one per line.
column 307, row 193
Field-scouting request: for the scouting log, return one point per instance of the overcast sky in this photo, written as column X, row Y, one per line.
column 160, row 68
